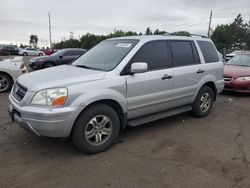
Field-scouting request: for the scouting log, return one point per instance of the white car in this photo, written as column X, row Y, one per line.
column 31, row 52
column 10, row 70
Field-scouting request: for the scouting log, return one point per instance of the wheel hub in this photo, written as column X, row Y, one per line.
column 98, row 130
column 205, row 102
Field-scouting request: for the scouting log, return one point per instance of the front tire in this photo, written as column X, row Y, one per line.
column 96, row 129
column 5, row 83
column 48, row 64
column 25, row 54
column 203, row 102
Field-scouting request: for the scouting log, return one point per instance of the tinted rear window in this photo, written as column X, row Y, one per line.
column 183, row 53
column 209, row 52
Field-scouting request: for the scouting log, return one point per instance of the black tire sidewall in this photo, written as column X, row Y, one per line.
column 78, row 135
column 9, row 81
column 48, row 63
column 196, row 105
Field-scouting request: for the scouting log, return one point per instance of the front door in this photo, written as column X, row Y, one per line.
column 150, row 92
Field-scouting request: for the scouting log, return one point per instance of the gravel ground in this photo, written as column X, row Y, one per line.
column 181, row 151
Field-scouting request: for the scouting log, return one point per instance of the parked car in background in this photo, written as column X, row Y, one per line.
column 60, row 57
column 9, row 50
column 47, row 52
column 234, row 53
column 30, row 52
column 121, row 81
column 231, row 55
column 2, row 52
column 237, row 73
column 10, row 70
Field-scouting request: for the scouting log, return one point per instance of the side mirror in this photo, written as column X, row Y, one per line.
column 61, row 56
column 139, row 67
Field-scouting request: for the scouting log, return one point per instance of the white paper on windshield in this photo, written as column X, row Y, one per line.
column 123, row 45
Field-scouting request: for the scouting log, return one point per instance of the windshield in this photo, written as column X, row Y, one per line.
column 106, row 55
column 240, row 60
column 57, row 53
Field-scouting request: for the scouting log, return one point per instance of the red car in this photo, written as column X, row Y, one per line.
column 47, row 52
column 237, row 74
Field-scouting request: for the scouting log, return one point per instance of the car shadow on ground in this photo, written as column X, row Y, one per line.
column 54, row 146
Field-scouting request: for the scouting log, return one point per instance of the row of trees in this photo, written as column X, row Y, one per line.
column 89, row 40
column 227, row 37
column 232, row 36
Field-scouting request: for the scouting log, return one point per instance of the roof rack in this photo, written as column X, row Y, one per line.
column 185, row 35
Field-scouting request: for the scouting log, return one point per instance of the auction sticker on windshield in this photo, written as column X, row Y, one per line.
column 124, row 45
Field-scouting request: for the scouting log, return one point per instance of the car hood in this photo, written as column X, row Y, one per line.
column 60, row 76
column 236, row 71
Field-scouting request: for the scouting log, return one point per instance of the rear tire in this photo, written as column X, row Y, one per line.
column 40, row 54
column 5, row 83
column 203, row 102
column 96, row 129
column 25, row 54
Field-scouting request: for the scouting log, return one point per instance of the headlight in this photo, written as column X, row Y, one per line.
column 243, row 78
column 50, row 97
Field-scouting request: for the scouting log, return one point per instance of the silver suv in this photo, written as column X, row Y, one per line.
column 121, row 81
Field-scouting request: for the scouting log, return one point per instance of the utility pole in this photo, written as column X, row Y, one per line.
column 50, row 43
column 209, row 26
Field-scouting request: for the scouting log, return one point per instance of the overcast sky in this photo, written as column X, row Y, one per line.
column 21, row 18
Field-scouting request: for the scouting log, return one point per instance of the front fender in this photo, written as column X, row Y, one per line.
column 104, row 94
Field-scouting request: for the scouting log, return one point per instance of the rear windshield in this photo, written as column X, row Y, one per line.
column 106, row 55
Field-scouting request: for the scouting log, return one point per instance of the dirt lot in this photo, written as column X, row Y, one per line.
column 180, row 151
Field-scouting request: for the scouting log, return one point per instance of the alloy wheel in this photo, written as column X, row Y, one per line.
column 98, row 130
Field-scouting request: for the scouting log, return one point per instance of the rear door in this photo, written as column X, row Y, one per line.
column 151, row 91
column 186, row 73
column 212, row 63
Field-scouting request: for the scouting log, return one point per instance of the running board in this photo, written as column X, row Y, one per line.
column 157, row 116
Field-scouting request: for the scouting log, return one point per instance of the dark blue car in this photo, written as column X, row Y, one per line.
column 61, row 57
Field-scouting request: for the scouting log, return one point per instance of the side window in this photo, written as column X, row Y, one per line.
column 209, row 52
column 183, row 53
column 155, row 54
column 69, row 53
column 78, row 52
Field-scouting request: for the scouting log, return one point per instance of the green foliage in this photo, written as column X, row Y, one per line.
column 181, row 33
column 89, row 40
column 33, row 40
column 158, row 32
column 148, row 31
column 71, row 43
column 233, row 36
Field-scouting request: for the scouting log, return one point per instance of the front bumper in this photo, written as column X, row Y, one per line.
column 51, row 122
column 36, row 65
column 237, row 86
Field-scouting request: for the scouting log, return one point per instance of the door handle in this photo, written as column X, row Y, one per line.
column 200, row 71
column 166, row 77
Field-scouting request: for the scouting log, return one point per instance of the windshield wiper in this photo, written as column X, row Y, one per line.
column 87, row 67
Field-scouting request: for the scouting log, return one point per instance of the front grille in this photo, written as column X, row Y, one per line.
column 227, row 78
column 19, row 92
